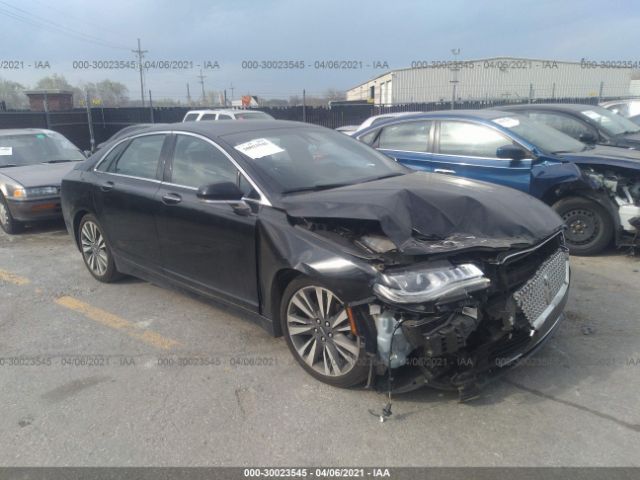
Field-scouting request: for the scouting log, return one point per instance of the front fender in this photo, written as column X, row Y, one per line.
column 284, row 250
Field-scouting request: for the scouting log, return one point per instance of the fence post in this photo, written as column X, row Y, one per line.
column 600, row 91
column 151, row 107
column 45, row 104
column 304, row 105
column 92, row 140
column 530, row 92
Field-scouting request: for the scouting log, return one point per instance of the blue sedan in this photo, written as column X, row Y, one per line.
column 596, row 190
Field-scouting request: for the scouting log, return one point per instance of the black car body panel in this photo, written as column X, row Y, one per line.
column 247, row 256
column 451, row 213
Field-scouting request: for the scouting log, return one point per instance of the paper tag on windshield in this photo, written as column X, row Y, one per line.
column 591, row 114
column 507, row 122
column 258, row 148
column 6, row 150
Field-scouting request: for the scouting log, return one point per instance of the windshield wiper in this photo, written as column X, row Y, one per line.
column 8, row 165
column 59, row 160
column 382, row 177
column 316, row 188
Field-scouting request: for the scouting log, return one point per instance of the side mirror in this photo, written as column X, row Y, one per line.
column 223, row 191
column 588, row 138
column 511, row 152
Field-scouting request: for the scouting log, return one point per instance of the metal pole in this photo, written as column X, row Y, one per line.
column 202, row 77
column 92, row 140
column 140, row 53
column 530, row 92
column 151, row 107
column 46, row 110
column 304, row 105
column 188, row 95
column 600, row 91
column 454, row 82
column 553, row 91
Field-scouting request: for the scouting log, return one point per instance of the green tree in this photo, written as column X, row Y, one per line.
column 12, row 93
column 53, row 82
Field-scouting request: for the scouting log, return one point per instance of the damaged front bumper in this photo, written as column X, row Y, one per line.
column 462, row 344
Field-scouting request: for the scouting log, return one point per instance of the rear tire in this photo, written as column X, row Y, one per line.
column 318, row 333
column 96, row 251
column 589, row 226
column 9, row 224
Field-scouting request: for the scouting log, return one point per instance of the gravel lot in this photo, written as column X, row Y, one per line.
column 131, row 374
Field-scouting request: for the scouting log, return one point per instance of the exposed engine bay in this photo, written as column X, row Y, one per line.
column 454, row 342
column 623, row 187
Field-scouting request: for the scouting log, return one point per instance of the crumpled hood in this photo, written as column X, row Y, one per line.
column 40, row 174
column 602, row 155
column 456, row 213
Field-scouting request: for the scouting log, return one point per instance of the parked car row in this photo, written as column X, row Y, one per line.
column 595, row 189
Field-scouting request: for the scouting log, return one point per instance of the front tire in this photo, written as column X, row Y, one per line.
column 589, row 226
column 9, row 224
column 318, row 333
column 96, row 251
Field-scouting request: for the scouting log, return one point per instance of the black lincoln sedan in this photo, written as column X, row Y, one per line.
column 369, row 270
column 590, row 124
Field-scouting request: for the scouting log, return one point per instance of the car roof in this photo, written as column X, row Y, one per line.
column 223, row 110
column 565, row 107
column 23, row 131
column 619, row 101
column 471, row 114
column 211, row 128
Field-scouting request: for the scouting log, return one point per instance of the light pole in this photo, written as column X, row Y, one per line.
column 454, row 82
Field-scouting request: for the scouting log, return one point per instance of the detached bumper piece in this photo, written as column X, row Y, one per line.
column 465, row 347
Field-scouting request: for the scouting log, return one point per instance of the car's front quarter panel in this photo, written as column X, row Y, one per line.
column 285, row 250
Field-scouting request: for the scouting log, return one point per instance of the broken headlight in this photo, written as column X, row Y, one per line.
column 419, row 286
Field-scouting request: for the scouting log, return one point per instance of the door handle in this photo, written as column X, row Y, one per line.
column 444, row 170
column 171, row 199
column 107, row 186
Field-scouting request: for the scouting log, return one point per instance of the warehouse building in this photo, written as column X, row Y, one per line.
column 504, row 78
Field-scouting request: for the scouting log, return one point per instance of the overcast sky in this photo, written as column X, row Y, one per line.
column 395, row 31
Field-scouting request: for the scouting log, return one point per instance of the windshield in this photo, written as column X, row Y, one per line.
column 253, row 116
column 299, row 159
column 32, row 148
column 540, row 135
column 611, row 123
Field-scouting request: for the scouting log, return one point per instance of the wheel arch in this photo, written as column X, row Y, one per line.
column 77, row 218
column 280, row 282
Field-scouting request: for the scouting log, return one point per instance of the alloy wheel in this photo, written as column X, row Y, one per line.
column 94, row 248
column 320, row 331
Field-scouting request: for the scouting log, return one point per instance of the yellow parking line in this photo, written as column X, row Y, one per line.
column 9, row 277
column 117, row 323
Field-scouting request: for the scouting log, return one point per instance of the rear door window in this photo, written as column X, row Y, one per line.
column 190, row 117
column 208, row 116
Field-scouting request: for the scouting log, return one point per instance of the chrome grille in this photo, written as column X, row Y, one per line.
column 539, row 292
